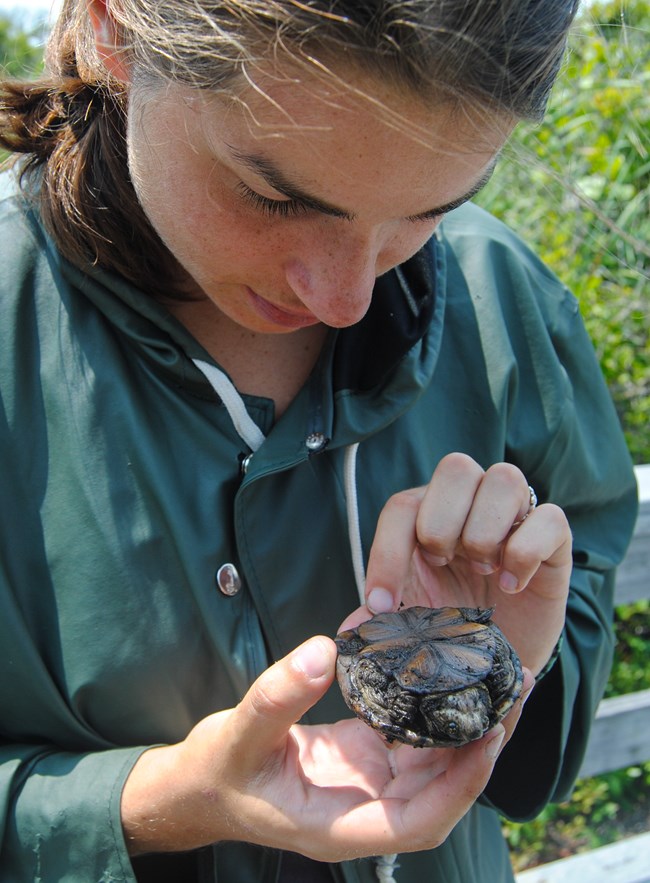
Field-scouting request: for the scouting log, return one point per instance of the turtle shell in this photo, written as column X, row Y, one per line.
column 429, row 677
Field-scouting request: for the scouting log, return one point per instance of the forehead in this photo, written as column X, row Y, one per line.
column 310, row 104
column 333, row 133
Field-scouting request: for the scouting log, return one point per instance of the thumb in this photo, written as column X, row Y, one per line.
column 279, row 698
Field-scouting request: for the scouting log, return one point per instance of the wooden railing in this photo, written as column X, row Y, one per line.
column 620, row 736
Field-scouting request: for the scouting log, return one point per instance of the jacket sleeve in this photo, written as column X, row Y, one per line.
column 59, row 809
column 573, row 452
column 61, row 815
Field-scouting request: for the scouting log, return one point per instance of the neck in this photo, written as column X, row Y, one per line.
column 273, row 366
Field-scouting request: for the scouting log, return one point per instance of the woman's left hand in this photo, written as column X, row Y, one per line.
column 471, row 539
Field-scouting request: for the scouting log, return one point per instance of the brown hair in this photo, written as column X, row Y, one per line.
column 71, row 125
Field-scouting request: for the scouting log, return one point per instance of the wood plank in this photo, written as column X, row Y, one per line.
column 627, row 861
column 633, row 577
column 643, row 480
column 620, row 735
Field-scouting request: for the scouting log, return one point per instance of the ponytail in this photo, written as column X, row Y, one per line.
column 72, row 135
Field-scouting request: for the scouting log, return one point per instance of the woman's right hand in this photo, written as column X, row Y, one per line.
column 331, row 792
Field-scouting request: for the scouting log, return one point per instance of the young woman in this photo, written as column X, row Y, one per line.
column 260, row 362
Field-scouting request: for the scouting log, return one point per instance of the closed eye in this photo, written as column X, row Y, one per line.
column 283, row 208
column 430, row 216
column 438, row 213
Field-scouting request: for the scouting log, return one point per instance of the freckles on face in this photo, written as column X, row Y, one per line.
column 284, row 209
column 188, row 195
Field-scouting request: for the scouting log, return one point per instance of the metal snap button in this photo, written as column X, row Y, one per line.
column 228, row 579
column 315, row 442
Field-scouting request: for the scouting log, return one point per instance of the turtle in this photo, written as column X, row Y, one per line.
column 429, row 677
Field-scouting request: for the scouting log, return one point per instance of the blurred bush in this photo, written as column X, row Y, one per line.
column 21, row 46
column 577, row 188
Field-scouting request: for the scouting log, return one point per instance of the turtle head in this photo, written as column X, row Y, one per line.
column 456, row 718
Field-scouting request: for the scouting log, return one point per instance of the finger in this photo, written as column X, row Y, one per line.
column 391, row 552
column 447, row 503
column 502, row 498
column 543, row 541
column 431, row 516
column 277, row 700
column 361, row 614
column 457, row 789
column 424, row 821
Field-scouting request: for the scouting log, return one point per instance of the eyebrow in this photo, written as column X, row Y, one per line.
column 270, row 173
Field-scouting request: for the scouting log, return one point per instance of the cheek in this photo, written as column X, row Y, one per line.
column 217, row 229
column 218, row 236
column 217, row 244
column 194, row 222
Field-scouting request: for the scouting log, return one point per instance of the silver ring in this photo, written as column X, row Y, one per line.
column 532, row 502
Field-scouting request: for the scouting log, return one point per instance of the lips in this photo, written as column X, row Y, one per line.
column 279, row 316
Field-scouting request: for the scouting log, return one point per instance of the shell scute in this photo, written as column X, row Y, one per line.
column 433, row 668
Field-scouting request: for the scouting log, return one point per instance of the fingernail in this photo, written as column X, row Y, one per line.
column 483, row 567
column 493, row 746
column 312, row 659
column 508, row 582
column 380, row 601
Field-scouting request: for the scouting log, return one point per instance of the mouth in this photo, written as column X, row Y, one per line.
column 278, row 315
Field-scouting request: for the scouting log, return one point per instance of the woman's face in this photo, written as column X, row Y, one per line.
column 284, row 206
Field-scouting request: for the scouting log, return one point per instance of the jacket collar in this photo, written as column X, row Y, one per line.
column 374, row 371
column 399, row 315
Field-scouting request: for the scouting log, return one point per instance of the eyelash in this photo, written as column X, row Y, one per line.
column 426, row 219
column 291, row 208
column 282, row 208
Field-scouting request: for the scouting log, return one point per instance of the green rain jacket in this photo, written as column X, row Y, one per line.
column 122, row 495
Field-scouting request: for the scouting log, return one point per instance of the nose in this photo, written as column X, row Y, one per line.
column 335, row 281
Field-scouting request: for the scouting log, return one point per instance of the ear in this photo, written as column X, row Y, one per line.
column 107, row 40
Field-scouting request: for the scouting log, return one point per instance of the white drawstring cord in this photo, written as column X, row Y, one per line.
column 352, row 506
column 385, row 865
column 248, row 430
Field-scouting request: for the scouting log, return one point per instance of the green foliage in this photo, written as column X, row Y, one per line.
column 631, row 671
column 577, row 188
column 21, row 47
